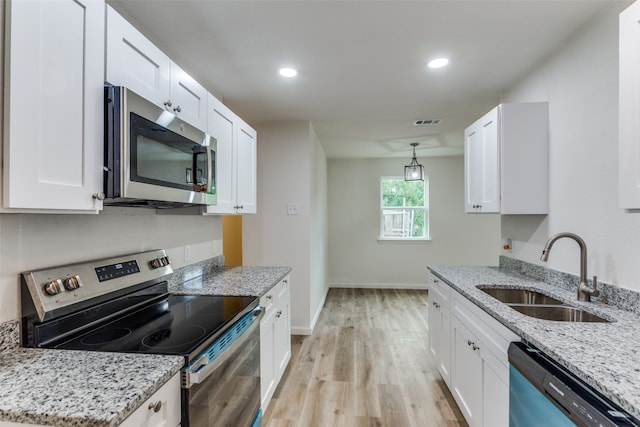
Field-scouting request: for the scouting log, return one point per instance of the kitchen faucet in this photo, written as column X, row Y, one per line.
column 584, row 291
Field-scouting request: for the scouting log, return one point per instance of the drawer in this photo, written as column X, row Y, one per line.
column 162, row 409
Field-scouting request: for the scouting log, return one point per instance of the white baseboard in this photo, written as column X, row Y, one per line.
column 380, row 285
column 301, row 331
column 295, row 330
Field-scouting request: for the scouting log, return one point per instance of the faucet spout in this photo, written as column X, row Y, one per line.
column 584, row 291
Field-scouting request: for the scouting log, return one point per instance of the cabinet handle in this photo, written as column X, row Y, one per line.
column 155, row 407
column 436, row 281
column 473, row 345
column 436, row 305
column 98, row 196
column 285, row 281
column 279, row 313
column 168, row 104
column 177, row 109
column 269, row 297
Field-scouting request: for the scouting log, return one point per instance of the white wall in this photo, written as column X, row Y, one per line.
column 290, row 171
column 319, row 229
column 32, row 241
column 580, row 82
column 357, row 258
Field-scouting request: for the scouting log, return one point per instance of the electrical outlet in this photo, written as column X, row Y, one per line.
column 293, row 208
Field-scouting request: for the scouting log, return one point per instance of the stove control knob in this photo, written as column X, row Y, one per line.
column 159, row 262
column 54, row 287
column 72, row 283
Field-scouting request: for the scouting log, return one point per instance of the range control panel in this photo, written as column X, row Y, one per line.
column 57, row 287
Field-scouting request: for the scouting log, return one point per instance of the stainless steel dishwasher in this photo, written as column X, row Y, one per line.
column 542, row 393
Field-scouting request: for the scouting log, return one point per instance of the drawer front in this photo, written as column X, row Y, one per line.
column 160, row 410
column 440, row 287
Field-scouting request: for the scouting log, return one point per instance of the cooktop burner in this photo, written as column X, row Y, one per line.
column 175, row 325
column 174, row 337
column 105, row 336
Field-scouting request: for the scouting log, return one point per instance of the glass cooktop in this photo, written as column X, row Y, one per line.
column 176, row 325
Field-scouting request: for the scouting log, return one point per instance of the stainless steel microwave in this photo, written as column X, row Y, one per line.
column 152, row 158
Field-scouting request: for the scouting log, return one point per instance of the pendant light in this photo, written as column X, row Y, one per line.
column 414, row 171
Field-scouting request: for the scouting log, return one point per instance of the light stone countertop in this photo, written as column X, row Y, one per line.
column 78, row 388
column 243, row 281
column 604, row 355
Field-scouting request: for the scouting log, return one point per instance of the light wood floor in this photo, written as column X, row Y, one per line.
column 366, row 364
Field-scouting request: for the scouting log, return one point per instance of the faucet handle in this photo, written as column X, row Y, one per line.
column 594, row 291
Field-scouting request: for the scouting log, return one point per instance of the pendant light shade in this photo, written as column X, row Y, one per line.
column 414, row 171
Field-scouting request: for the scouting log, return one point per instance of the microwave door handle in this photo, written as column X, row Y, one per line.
column 197, row 151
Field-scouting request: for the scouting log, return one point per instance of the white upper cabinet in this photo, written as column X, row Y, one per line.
column 235, row 161
column 506, row 157
column 629, row 109
column 188, row 98
column 482, row 178
column 223, row 125
column 246, row 163
column 135, row 62
column 53, row 136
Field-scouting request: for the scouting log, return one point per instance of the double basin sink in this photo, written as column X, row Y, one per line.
column 535, row 304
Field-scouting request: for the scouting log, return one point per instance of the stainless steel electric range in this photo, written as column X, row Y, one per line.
column 122, row 304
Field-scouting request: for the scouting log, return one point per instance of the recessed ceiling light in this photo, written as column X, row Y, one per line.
column 288, row 72
column 438, row 62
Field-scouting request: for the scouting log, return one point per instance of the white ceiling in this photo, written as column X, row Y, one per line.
column 363, row 79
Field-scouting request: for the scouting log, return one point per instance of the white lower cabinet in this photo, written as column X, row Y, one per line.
column 162, row 409
column 275, row 339
column 440, row 327
column 471, row 355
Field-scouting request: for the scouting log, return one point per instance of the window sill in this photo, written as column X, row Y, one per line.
column 400, row 239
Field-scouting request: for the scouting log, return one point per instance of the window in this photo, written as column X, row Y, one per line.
column 404, row 209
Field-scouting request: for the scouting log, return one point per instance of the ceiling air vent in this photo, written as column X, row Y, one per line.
column 427, row 122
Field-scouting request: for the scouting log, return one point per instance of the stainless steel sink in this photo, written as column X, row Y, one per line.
column 520, row 296
column 536, row 304
column 560, row 313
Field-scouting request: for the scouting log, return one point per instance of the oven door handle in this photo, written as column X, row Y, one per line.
column 201, row 375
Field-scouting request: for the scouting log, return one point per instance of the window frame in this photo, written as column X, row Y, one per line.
column 425, row 208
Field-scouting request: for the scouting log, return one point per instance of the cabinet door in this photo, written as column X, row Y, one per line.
column 267, row 358
column 133, row 61
column 54, row 113
column 222, row 127
column 188, row 98
column 466, row 373
column 168, row 415
column 482, row 176
column 439, row 335
column 282, row 337
column 629, row 111
column 246, row 173
column 495, row 391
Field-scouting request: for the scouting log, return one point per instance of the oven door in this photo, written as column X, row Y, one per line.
column 225, row 391
column 150, row 154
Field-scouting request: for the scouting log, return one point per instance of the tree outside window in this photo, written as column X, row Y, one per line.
column 404, row 209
